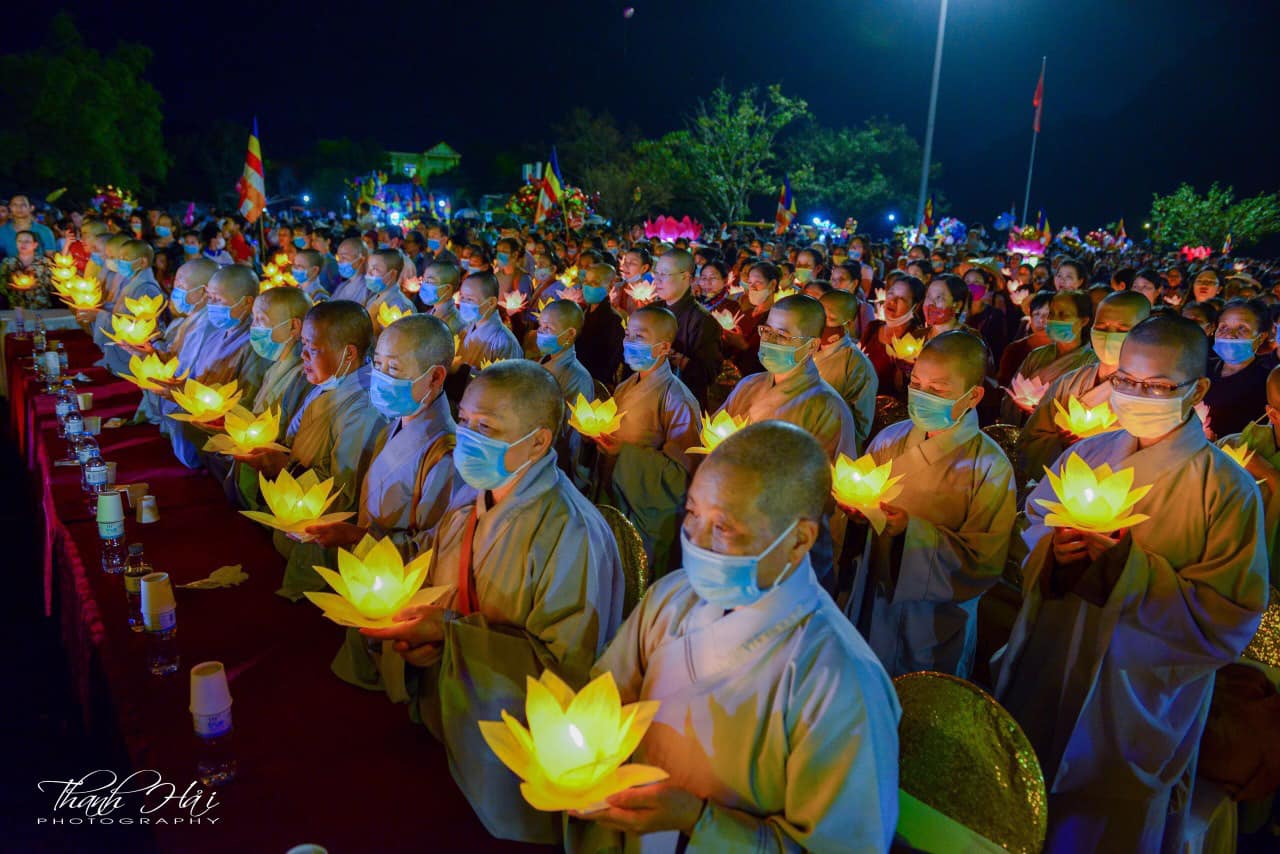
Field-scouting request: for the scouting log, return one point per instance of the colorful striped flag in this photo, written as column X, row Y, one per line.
column 252, row 186
column 1226, row 245
column 786, row 207
column 1037, row 100
column 552, row 190
column 1120, row 232
column 928, row 213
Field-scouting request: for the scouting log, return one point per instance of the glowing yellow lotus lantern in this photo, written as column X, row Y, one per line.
column 296, row 504
column 906, row 347
column 569, row 277
column 22, row 281
column 83, row 294
column 151, row 374
column 571, row 756
column 863, row 485
column 134, row 331
column 727, row 319
column 64, row 274
column 594, row 418
column 783, row 293
column 642, row 292
column 144, row 306
column 373, row 584
column 1083, row 421
column 247, row 432
column 281, row 260
column 1092, row 499
column 269, row 270
column 64, row 260
column 484, row 363
column 716, row 430
column 204, row 403
column 1026, row 393
column 389, row 314
column 1240, row 453
column 512, row 301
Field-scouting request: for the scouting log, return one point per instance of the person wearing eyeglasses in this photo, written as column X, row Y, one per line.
column 1041, row 440
column 696, row 352
column 1110, row 666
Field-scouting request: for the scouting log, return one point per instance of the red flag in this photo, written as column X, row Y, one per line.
column 253, row 197
column 1038, row 100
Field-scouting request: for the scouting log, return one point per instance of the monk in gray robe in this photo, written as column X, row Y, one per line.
column 1111, row 663
column 334, row 431
column 644, row 468
column 946, row 535
column 559, row 325
column 186, row 305
column 486, row 338
column 776, row 723
column 843, row 364
column 136, row 281
column 1042, row 440
column 382, row 277
column 440, row 281
column 352, row 256
column 538, row 583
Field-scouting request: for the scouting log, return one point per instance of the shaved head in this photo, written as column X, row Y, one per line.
column 661, row 322
column 343, row 322
column 236, row 282
column 293, row 301
column 424, row 337
column 485, row 285
column 392, row 259
column 565, row 314
column 681, row 261
column 958, row 351
column 1132, row 303
column 309, row 258
column 603, row 274
column 196, row 273
column 808, row 313
column 842, row 305
column 132, row 250
column 785, row 465
column 1178, row 342
column 444, row 273
column 530, row 391
column 354, row 244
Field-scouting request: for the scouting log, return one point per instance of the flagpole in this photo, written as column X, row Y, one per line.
column 1035, row 137
column 933, row 110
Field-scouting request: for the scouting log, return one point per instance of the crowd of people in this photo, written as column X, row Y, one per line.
column 430, row 369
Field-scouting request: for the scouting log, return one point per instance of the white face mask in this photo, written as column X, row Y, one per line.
column 758, row 297
column 1148, row 417
column 895, row 322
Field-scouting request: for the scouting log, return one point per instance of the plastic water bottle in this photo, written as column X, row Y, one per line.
column 134, row 569
column 93, row 476
column 65, row 405
column 62, row 358
column 211, row 719
column 85, row 447
column 20, row 323
column 73, row 427
column 111, row 531
column 160, row 619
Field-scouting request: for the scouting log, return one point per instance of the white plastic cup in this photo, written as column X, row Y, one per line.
column 85, row 400
column 209, row 692
column 158, row 604
column 110, row 508
column 93, row 424
column 148, row 510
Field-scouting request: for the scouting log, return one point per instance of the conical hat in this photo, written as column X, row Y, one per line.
column 963, row 755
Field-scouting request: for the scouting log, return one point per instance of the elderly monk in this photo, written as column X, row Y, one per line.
column 776, row 723
column 186, row 305
column 1263, row 439
column 352, row 256
column 308, row 272
column 333, row 432
column 382, row 278
column 791, row 389
column 439, row 283
column 216, row 350
column 538, row 583
column 842, row 363
column 644, row 468
column 486, row 338
column 1111, row 662
column 946, row 536
column 1041, row 441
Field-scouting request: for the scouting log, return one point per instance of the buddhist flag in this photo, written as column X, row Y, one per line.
column 1226, row 245
column 786, row 207
column 552, row 190
column 1042, row 225
column 1037, row 100
column 1120, row 233
column 253, row 194
column 928, row 213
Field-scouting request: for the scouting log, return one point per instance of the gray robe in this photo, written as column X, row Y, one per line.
column 848, row 370
column 1111, row 679
column 488, row 340
column 1041, row 440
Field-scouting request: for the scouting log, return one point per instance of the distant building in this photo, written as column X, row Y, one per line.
column 434, row 161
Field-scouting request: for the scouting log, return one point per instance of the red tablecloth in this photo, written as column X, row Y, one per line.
column 320, row 761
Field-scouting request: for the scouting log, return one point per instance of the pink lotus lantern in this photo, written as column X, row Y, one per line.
column 669, row 228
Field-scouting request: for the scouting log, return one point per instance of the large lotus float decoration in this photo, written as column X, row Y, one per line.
column 670, row 229
column 572, row 753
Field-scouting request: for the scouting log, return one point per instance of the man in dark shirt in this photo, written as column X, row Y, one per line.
column 696, row 352
column 599, row 344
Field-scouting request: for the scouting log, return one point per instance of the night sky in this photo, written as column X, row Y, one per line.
column 1139, row 95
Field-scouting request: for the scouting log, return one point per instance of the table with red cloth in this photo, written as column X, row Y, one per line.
column 320, row 761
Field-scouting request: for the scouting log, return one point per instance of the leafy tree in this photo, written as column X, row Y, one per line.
column 76, row 117
column 326, row 169
column 207, row 161
column 857, row 172
column 1186, row 218
column 728, row 146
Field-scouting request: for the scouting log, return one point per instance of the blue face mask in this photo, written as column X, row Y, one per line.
column 346, row 269
column 429, row 293
column 504, row 258
column 181, row 302
column 594, row 295
column 477, row 268
column 726, row 581
column 549, row 343
column 374, row 283
column 260, row 341
column 393, row 396
column 190, row 249
column 433, row 244
column 299, row 275
column 163, row 231
column 481, row 460
column 929, row 412
column 638, row 356
column 542, row 273
column 469, row 312
column 300, row 242
column 1061, row 331
column 778, row 358
column 97, row 258
column 1233, row 351
column 220, row 317
column 332, row 383
column 384, row 245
